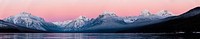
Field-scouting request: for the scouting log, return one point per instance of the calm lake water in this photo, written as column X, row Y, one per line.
column 89, row 36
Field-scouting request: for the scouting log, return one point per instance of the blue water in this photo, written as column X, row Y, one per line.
column 88, row 36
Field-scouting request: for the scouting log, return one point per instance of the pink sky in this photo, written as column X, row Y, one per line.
column 61, row 10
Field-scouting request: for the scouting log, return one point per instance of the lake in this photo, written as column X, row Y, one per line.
column 91, row 36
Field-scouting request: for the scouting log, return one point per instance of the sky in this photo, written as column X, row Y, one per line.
column 61, row 10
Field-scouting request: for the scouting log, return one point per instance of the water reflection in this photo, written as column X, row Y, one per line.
column 87, row 36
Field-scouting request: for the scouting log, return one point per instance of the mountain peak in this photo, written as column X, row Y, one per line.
column 108, row 13
column 82, row 17
column 164, row 13
column 145, row 13
column 23, row 16
column 25, row 13
column 27, row 20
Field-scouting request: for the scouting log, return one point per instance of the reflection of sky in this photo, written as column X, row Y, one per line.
column 86, row 36
column 60, row 10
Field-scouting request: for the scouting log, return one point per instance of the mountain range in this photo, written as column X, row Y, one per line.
column 107, row 22
column 188, row 22
column 7, row 27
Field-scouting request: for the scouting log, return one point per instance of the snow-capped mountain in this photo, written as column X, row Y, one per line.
column 162, row 21
column 62, row 24
column 113, row 21
column 108, row 14
column 129, row 19
column 164, row 13
column 147, row 16
column 188, row 22
column 6, row 27
column 107, row 17
column 74, row 24
column 83, row 22
column 27, row 20
column 145, row 13
column 106, row 20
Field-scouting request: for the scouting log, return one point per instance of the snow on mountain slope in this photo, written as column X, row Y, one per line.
column 147, row 16
column 164, row 13
column 83, row 22
column 145, row 13
column 107, row 17
column 108, row 14
column 144, row 16
column 27, row 20
column 130, row 20
column 109, row 20
column 73, row 24
column 112, row 22
column 105, row 20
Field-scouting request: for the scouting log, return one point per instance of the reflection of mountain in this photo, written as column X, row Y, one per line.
column 163, row 21
column 187, row 22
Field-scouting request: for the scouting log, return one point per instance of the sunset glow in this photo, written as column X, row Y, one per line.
column 61, row 10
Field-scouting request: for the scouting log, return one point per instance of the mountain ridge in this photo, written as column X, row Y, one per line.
column 187, row 22
column 6, row 27
column 83, row 23
column 26, row 20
